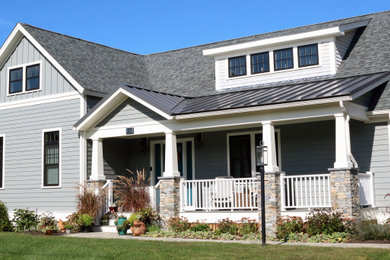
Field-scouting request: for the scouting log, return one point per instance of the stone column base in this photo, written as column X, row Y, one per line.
column 344, row 190
column 169, row 198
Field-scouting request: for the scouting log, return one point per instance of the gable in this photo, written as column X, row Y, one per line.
column 130, row 112
column 51, row 80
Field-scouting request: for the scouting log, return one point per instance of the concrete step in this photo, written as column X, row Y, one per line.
column 108, row 229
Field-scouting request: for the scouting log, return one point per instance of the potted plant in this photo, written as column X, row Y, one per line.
column 122, row 225
column 137, row 226
column 68, row 228
column 87, row 223
column 47, row 224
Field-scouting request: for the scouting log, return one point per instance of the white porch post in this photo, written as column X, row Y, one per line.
column 343, row 142
column 97, row 171
column 269, row 141
column 171, row 164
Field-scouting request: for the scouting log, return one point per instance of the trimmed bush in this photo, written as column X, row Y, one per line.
column 178, row 224
column 200, row 227
column 25, row 219
column 5, row 223
column 227, row 226
column 324, row 222
column 247, row 227
column 287, row 226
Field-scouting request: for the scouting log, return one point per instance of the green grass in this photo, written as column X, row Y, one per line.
column 24, row 246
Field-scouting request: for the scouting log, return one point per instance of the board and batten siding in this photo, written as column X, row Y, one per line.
column 22, row 128
column 129, row 112
column 52, row 81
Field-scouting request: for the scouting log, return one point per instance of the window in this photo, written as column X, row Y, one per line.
column 283, row 59
column 1, row 161
column 260, row 62
column 51, row 158
column 32, row 77
column 308, row 55
column 237, row 66
column 16, row 80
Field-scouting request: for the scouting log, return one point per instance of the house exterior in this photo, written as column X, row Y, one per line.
column 317, row 96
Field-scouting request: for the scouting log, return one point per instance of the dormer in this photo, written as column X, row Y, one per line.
column 291, row 57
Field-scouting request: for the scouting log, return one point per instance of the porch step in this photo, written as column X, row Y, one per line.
column 106, row 228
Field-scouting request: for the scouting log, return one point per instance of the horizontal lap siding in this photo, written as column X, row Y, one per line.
column 52, row 81
column 342, row 44
column 370, row 147
column 23, row 156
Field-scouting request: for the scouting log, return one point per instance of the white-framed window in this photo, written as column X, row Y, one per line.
column 24, row 78
column 51, row 158
column 241, row 152
column 185, row 158
column 2, row 161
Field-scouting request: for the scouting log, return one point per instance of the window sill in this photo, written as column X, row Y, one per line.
column 24, row 92
column 50, row 187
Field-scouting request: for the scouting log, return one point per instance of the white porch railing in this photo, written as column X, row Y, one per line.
column 218, row 194
column 305, row 191
column 366, row 189
column 109, row 196
column 154, row 194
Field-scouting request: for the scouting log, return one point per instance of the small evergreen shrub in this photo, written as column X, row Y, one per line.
column 5, row 223
column 227, row 226
column 288, row 225
column 324, row 222
column 86, row 220
column 178, row 224
column 25, row 219
column 200, row 227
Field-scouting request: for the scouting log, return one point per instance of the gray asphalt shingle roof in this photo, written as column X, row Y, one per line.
column 186, row 71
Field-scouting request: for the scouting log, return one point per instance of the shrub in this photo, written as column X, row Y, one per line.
column 178, row 224
column 131, row 191
column 227, row 226
column 133, row 217
column 5, row 223
column 75, row 221
column 47, row 223
column 86, row 220
column 200, row 227
column 148, row 216
column 247, row 227
column 288, row 225
column 25, row 219
column 153, row 228
column 371, row 230
column 89, row 201
column 324, row 222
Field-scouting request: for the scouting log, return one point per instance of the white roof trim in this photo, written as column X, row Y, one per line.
column 104, row 109
column 330, row 32
column 263, row 108
column 10, row 41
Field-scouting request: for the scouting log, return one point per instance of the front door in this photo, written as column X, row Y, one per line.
column 185, row 154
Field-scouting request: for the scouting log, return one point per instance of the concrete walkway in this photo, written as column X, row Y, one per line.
column 107, row 235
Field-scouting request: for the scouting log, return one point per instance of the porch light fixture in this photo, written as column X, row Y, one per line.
column 261, row 161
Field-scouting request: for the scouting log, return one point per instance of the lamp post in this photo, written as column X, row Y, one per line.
column 261, row 161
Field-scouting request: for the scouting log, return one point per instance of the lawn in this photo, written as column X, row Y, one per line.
column 24, row 246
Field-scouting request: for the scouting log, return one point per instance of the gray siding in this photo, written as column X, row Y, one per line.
column 342, row 44
column 23, row 156
column 52, row 81
column 370, row 147
column 308, row 148
column 130, row 111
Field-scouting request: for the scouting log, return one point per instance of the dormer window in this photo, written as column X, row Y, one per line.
column 32, row 77
column 260, row 62
column 16, row 80
column 308, row 55
column 283, row 59
column 237, row 66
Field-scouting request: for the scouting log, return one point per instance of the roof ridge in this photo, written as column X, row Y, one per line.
column 155, row 91
column 83, row 40
column 270, row 32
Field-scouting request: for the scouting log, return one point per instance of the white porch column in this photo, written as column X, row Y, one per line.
column 269, row 141
column 171, row 165
column 343, row 142
column 97, row 171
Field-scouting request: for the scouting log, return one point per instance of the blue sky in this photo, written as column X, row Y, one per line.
column 155, row 25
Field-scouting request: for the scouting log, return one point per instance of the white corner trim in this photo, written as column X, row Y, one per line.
column 19, row 29
column 263, row 108
column 24, row 77
column 39, row 100
column 334, row 31
column 59, row 129
column 3, row 166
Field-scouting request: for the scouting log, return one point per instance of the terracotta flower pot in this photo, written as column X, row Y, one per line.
column 49, row 232
column 138, row 228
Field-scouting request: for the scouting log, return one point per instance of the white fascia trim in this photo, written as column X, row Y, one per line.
column 379, row 112
column 334, row 31
column 3, row 166
column 263, row 108
column 59, row 129
column 39, row 100
column 100, row 111
column 19, row 28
